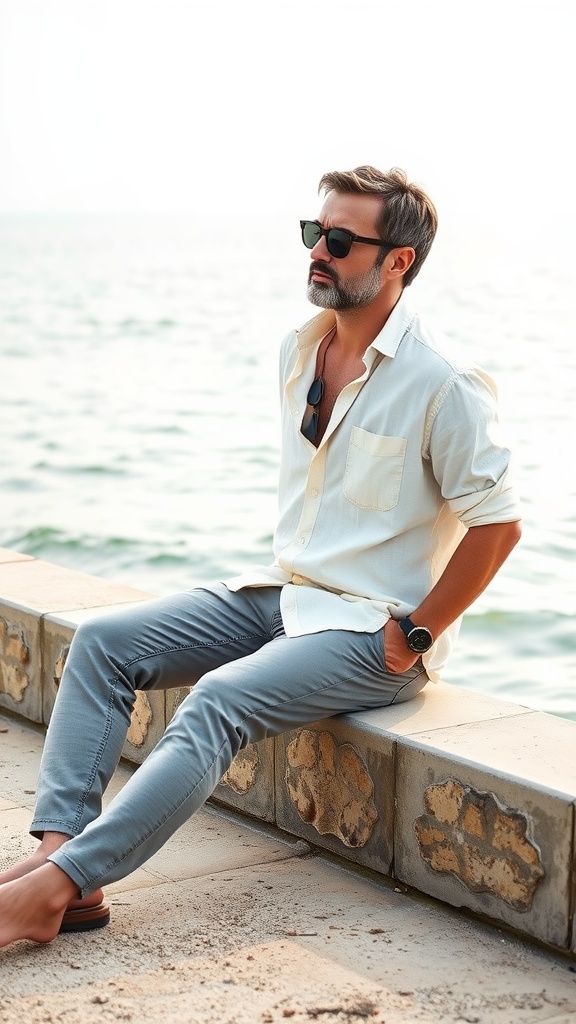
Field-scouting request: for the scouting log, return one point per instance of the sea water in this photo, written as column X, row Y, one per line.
column 138, row 410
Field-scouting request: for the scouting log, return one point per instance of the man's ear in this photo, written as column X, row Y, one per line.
column 398, row 262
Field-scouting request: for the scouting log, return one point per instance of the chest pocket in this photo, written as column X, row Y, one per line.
column 374, row 469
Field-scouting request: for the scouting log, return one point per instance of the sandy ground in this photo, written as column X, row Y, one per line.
column 234, row 924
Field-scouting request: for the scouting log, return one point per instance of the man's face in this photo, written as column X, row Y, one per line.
column 355, row 280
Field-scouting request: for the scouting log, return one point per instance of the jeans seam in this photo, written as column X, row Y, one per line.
column 186, row 647
column 113, row 684
column 67, row 828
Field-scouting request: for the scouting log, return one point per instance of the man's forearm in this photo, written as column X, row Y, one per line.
column 473, row 565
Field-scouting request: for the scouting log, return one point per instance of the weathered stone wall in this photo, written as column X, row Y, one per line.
column 465, row 797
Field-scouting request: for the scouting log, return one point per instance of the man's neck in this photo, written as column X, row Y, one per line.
column 356, row 329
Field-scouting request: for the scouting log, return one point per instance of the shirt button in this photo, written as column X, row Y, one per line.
column 302, row 540
column 314, row 492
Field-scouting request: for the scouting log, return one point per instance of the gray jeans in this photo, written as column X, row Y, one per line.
column 250, row 681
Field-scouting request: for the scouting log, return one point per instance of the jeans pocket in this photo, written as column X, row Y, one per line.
column 276, row 625
column 410, row 683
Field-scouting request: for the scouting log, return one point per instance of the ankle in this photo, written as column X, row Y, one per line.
column 55, row 886
column 52, row 841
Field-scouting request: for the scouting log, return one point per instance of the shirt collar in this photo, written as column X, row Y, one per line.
column 395, row 328
column 386, row 342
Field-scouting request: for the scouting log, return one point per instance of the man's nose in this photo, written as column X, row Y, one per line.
column 320, row 251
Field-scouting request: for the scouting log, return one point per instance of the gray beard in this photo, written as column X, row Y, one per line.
column 357, row 292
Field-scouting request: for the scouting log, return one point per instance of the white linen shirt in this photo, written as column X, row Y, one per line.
column 409, row 460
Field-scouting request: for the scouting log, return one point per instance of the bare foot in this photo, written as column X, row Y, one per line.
column 32, row 906
column 24, row 867
column 36, row 860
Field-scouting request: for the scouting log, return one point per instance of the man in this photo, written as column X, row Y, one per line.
column 396, row 511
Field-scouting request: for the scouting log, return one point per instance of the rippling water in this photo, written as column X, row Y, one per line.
column 138, row 411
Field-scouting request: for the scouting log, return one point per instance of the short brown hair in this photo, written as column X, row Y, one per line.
column 408, row 215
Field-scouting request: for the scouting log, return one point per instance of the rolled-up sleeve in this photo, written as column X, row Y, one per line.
column 470, row 464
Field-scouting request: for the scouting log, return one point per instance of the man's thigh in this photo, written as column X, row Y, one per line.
column 173, row 641
column 294, row 680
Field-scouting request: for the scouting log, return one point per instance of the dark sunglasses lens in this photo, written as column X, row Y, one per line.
column 338, row 243
column 310, row 233
column 310, row 427
column 316, row 391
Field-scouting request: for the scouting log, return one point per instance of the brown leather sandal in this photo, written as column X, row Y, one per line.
column 85, row 919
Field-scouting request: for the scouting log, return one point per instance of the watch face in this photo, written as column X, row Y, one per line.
column 420, row 639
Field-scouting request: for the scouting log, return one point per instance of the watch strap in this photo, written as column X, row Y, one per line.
column 406, row 625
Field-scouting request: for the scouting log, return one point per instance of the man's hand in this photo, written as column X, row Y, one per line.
column 398, row 657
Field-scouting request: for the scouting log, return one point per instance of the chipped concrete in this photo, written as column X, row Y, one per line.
column 468, row 834
column 335, row 789
column 242, row 773
column 140, row 720
column 20, row 663
column 14, row 660
column 330, row 787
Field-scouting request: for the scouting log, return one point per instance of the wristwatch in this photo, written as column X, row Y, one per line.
column 418, row 638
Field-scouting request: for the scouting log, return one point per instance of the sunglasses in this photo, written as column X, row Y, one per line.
column 310, row 422
column 315, row 394
column 338, row 240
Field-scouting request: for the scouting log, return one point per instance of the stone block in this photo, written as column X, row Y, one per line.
column 146, row 727
column 30, row 588
column 573, row 888
column 7, row 555
column 439, row 706
column 248, row 785
column 174, row 699
column 335, row 788
column 148, row 717
column 20, row 662
column 484, row 819
column 41, row 587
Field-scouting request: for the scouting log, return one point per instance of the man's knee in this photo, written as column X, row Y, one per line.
column 99, row 635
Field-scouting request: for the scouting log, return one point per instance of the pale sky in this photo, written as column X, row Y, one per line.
column 241, row 105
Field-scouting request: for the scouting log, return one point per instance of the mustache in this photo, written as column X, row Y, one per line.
column 322, row 268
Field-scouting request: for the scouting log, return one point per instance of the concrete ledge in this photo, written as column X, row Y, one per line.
column 458, row 794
